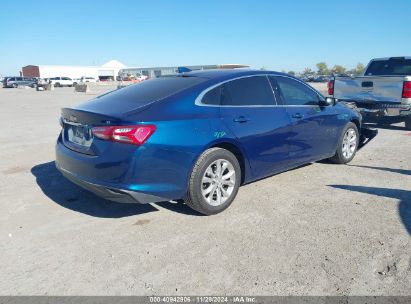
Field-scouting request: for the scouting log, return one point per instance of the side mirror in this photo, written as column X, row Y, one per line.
column 328, row 101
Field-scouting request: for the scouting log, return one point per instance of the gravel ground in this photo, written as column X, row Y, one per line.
column 322, row 229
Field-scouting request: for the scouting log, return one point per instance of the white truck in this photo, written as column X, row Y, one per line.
column 383, row 92
column 62, row 81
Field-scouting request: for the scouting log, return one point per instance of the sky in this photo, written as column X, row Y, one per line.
column 276, row 35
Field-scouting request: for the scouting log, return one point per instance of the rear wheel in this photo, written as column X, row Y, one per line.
column 408, row 122
column 348, row 144
column 214, row 181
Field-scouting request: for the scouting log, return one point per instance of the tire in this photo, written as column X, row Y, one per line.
column 206, row 176
column 408, row 122
column 57, row 85
column 15, row 85
column 345, row 154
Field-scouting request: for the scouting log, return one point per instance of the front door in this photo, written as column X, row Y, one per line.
column 314, row 127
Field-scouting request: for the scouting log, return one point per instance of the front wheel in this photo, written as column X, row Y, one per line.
column 214, row 181
column 348, row 145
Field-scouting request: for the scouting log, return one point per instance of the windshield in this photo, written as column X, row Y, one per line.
column 391, row 67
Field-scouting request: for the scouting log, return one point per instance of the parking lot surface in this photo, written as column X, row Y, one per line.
column 322, row 229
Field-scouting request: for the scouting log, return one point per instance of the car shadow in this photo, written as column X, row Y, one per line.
column 400, row 171
column 70, row 196
column 404, row 196
column 180, row 207
column 386, row 126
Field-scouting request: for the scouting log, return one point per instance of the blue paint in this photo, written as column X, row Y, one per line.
column 270, row 141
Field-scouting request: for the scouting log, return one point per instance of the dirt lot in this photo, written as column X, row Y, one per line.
column 322, row 229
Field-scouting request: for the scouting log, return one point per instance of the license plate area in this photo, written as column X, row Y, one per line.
column 80, row 135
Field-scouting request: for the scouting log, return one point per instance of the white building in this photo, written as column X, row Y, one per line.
column 108, row 70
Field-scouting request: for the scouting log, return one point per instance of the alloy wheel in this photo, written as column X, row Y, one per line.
column 218, row 182
column 349, row 144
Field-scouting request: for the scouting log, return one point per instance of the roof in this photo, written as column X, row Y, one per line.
column 228, row 73
column 394, row 57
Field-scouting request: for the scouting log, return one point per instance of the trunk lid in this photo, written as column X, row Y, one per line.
column 76, row 132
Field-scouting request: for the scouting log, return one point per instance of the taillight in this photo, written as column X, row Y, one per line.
column 330, row 86
column 406, row 89
column 136, row 135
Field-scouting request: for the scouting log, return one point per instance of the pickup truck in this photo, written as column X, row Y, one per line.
column 383, row 92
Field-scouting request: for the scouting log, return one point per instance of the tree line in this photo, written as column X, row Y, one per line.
column 323, row 69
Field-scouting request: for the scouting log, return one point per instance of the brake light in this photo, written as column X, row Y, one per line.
column 136, row 135
column 406, row 89
column 330, row 86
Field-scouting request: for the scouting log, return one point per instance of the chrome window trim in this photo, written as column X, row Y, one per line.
column 198, row 100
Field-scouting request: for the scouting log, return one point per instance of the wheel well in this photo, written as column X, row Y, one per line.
column 237, row 153
column 357, row 123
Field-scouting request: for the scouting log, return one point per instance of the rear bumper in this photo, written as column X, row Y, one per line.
column 124, row 173
column 381, row 111
column 111, row 193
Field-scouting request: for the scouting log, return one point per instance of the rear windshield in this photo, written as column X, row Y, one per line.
column 392, row 67
column 154, row 89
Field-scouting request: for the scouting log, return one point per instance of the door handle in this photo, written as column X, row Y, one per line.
column 241, row 119
column 297, row 115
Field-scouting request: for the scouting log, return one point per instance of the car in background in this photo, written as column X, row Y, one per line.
column 62, row 81
column 321, row 78
column 15, row 81
column 383, row 91
column 198, row 136
column 88, row 79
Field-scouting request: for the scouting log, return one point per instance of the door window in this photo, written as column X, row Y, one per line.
column 295, row 93
column 248, row 91
column 212, row 97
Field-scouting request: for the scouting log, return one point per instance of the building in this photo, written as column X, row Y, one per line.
column 109, row 70
column 159, row 71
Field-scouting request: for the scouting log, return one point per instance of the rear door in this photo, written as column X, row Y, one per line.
column 315, row 128
column 250, row 112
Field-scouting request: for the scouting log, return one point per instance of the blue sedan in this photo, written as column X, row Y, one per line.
column 199, row 135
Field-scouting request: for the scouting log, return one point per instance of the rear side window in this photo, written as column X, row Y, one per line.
column 249, row 91
column 212, row 97
column 295, row 93
column 392, row 67
column 151, row 90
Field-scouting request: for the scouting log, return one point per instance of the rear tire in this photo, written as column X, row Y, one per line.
column 348, row 145
column 408, row 122
column 214, row 181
